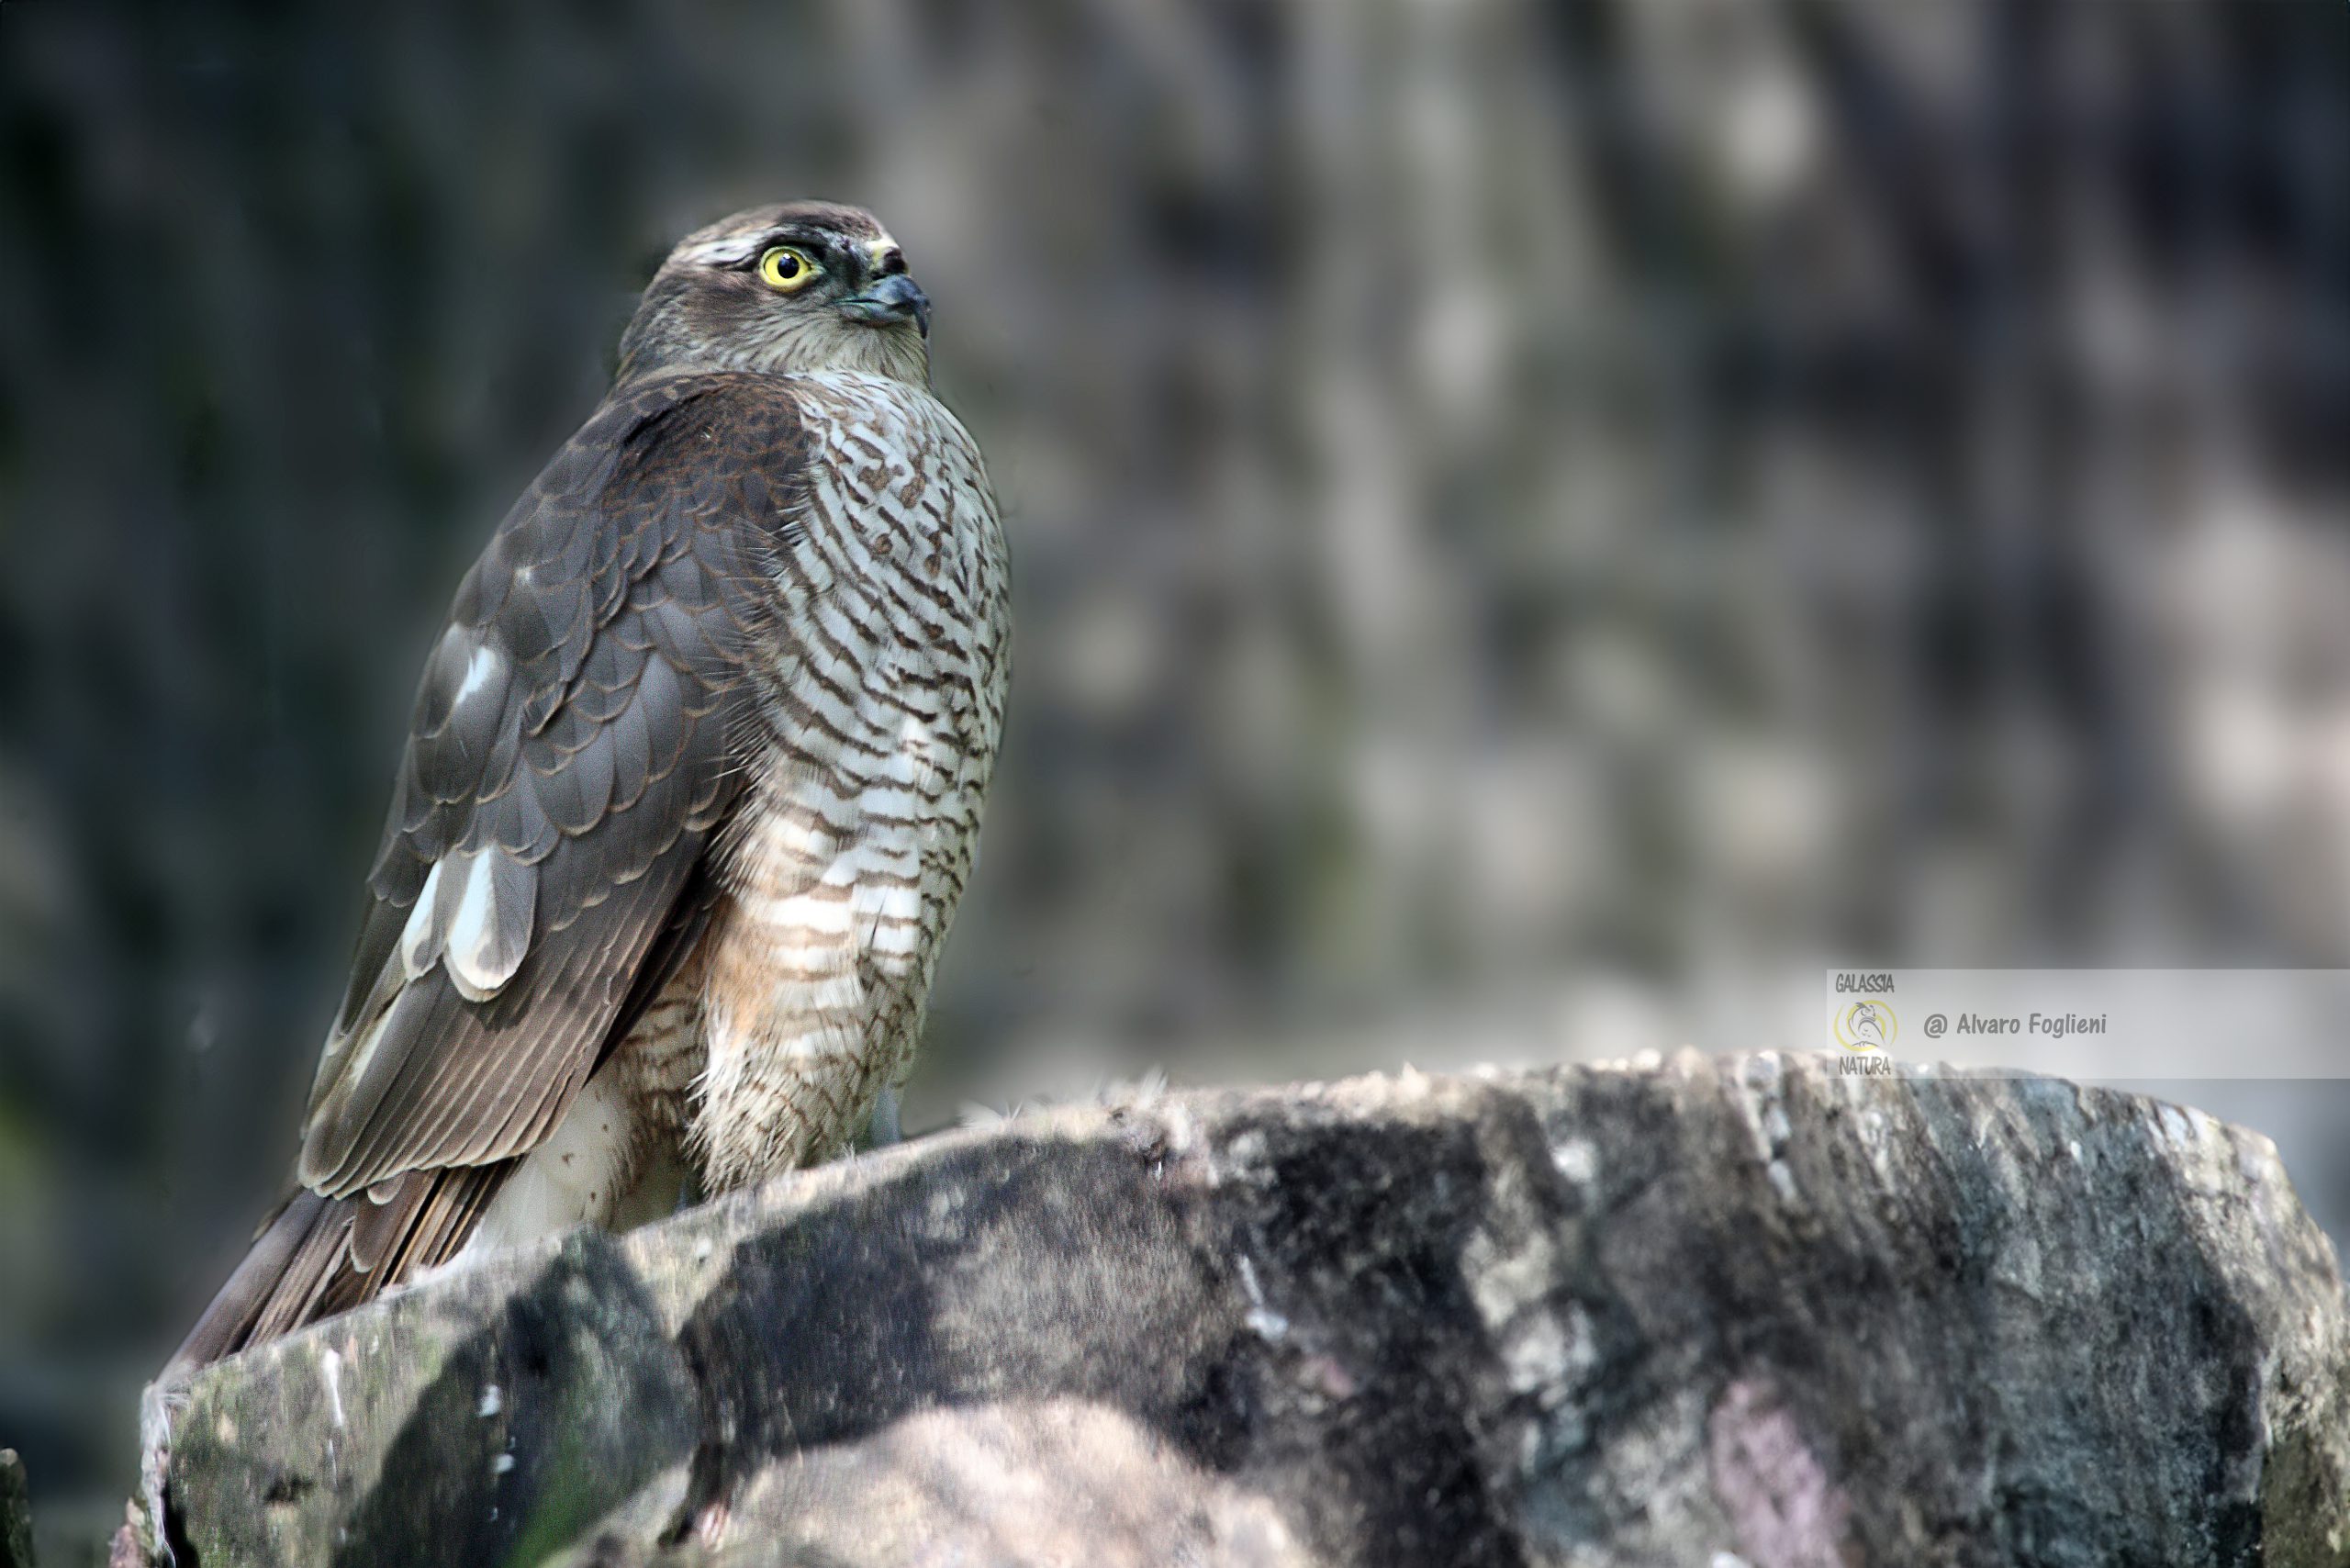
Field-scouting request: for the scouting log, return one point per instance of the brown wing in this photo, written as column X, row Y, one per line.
column 572, row 751
column 576, row 743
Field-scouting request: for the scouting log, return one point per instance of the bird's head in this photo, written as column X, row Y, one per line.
column 806, row 286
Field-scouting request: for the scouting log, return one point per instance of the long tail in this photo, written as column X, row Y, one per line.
column 318, row 1256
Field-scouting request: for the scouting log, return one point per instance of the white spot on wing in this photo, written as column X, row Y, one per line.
column 482, row 953
column 367, row 1043
column 479, row 671
column 419, row 947
column 477, row 914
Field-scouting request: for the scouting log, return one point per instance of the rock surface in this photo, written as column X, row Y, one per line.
column 1746, row 1306
column 16, row 1513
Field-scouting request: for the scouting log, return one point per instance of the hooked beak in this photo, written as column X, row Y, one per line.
column 891, row 300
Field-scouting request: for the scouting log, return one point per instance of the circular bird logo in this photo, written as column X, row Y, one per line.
column 1866, row 1027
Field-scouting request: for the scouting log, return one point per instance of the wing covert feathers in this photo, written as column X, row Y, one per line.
column 571, row 753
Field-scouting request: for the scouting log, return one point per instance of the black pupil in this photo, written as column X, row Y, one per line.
column 786, row 265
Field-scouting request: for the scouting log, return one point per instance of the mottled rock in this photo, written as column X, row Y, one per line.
column 16, row 1513
column 1748, row 1306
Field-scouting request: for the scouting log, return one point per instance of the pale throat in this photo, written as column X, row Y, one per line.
column 818, row 344
column 666, row 341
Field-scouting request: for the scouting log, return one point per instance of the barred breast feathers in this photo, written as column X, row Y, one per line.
column 883, row 705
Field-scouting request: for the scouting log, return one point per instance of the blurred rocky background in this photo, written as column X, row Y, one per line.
column 1538, row 526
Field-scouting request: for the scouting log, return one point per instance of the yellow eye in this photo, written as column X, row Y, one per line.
column 786, row 267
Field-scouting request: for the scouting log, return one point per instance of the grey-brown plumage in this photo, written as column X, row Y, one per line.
column 690, row 793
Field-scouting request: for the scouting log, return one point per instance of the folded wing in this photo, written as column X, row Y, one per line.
column 578, row 739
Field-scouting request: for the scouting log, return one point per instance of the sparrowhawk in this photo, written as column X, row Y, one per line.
column 692, row 790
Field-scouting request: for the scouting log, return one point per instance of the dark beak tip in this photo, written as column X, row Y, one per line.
column 893, row 298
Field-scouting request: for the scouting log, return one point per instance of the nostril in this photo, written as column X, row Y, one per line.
column 890, row 263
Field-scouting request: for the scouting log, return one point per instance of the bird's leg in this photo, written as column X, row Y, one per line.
column 883, row 1129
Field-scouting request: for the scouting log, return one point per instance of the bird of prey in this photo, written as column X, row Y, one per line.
column 692, row 790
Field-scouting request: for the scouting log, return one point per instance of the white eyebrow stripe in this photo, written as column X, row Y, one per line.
column 727, row 250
